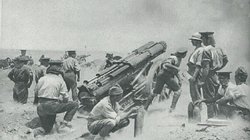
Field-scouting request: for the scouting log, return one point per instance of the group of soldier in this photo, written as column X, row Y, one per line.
column 207, row 80
column 54, row 78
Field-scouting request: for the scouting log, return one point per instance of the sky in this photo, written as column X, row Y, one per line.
column 112, row 25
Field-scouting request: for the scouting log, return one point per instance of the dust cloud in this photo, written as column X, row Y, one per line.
column 123, row 25
column 174, row 21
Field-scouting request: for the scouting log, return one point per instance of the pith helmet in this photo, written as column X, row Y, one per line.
column 43, row 58
column 70, row 52
column 181, row 52
column 207, row 34
column 55, row 62
column 196, row 36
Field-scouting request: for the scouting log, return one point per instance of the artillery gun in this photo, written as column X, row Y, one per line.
column 134, row 73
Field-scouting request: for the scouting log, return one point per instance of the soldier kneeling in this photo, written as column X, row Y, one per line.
column 49, row 88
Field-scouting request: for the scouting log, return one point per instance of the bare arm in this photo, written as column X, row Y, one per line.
column 30, row 79
column 77, row 70
column 196, row 72
column 64, row 91
column 78, row 75
column 127, row 114
column 205, row 69
column 225, row 61
column 224, row 100
column 11, row 75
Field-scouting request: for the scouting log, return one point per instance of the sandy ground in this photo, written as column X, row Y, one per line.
column 158, row 123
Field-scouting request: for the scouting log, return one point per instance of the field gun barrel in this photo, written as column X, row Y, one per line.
column 128, row 72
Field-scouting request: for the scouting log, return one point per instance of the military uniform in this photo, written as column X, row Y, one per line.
column 24, row 56
column 237, row 98
column 213, row 59
column 48, row 89
column 169, row 76
column 22, row 77
column 106, row 117
column 224, row 90
column 72, row 70
column 194, row 65
column 40, row 72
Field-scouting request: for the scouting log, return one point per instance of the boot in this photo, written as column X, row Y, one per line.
column 190, row 112
column 174, row 101
column 36, row 132
column 98, row 137
column 65, row 124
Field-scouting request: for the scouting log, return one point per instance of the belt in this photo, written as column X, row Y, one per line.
column 43, row 100
column 20, row 82
column 68, row 71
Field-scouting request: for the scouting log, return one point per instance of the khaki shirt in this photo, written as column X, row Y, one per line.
column 104, row 110
column 40, row 72
column 214, row 55
column 173, row 60
column 51, row 86
column 171, row 65
column 196, row 57
column 20, row 74
column 71, row 64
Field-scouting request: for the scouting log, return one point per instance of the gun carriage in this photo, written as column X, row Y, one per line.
column 135, row 73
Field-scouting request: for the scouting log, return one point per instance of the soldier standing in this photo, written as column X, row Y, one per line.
column 213, row 59
column 194, row 66
column 22, row 78
column 40, row 72
column 169, row 75
column 72, row 73
column 23, row 54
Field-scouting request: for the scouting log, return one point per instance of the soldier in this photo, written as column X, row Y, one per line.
column 106, row 116
column 23, row 54
column 194, row 72
column 239, row 97
column 49, row 88
column 65, row 56
column 194, row 66
column 72, row 73
column 169, row 75
column 224, row 90
column 22, row 78
column 213, row 59
column 109, row 60
column 40, row 72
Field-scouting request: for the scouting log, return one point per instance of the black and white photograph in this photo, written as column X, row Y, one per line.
column 124, row 69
